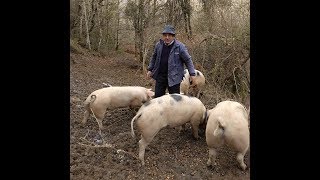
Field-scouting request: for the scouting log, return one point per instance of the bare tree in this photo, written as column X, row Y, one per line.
column 98, row 5
column 86, row 21
column 81, row 20
column 140, row 19
column 118, row 26
column 186, row 12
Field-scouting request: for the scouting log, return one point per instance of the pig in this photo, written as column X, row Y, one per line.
column 113, row 97
column 228, row 123
column 199, row 84
column 171, row 110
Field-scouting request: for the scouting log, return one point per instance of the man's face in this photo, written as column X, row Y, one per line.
column 167, row 38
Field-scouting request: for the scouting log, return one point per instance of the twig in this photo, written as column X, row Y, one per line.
column 235, row 82
column 86, row 134
column 87, row 141
column 227, row 57
column 104, row 145
column 84, row 138
column 97, row 146
column 103, row 141
column 246, row 85
column 111, row 147
column 121, row 150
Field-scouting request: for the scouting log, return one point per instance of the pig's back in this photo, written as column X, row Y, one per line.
column 175, row 109
column 232, row 115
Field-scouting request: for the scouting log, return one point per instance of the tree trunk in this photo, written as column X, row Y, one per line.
column 144, row 69
column 87, row 27
column 189, row 24
column 136, row 44
column 107, row 24
column 185, row 24
column 154, row 12
column 94, row 11
column 118, row 26
column 80, row 25
column 170, row 6
column 99, row 24
column 141, row 29
column 81, row 14
column 207, row 5
column 141, row 42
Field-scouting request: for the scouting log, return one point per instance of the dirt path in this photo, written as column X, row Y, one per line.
column 170, row 155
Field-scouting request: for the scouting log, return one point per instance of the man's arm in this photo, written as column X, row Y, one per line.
column 187, row 60
column 153, row 58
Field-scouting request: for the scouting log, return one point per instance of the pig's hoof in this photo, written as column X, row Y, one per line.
column 209, row 163
column 243, row 167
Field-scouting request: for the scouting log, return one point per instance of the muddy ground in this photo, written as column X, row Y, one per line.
column 169, row 156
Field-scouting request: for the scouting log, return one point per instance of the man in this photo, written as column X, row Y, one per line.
column 166, row 64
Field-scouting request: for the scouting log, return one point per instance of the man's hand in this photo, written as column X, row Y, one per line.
column 193, row 82
column 149, row 73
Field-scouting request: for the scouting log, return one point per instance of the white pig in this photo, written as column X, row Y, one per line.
column 171, row 110
column 185, row 83
column 101, row 100
column 228, row 123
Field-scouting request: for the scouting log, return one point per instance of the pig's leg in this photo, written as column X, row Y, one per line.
column 195, row 129
column 181, row 128
column 99, row 121
column 241, row 145
column 134, row 109
column 198, row 94
column 98, row 114
column 85, row 117
column 99, row 118
column 240, row 157
column 212, row 157
column 142, row 147
column 186, row 92
column 146, row 137
column 135, row 104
